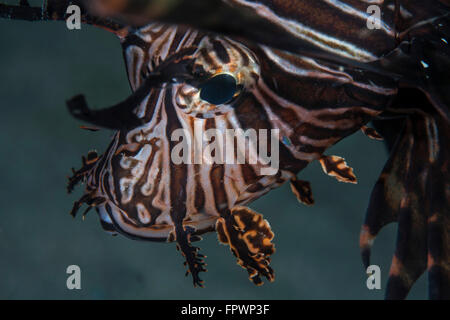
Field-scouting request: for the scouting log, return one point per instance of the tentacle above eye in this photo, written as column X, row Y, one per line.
column 178, row 67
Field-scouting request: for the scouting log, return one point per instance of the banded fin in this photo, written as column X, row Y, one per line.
column 384, row 202
column 337, row 167
column 302, row 190
column 79, row 175
column 424, row 214
column 413, row 190
column 371, row 133
column 249, row 236
column 90, row 198
column 184, row 236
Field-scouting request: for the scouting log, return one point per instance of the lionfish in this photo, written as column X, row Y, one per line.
column 397, row 79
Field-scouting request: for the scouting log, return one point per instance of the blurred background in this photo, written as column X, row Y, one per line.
column 44, row 64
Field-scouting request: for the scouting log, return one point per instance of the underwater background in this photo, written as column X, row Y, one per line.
column 44, row 64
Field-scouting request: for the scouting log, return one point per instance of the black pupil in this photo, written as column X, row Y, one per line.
column 219, row 89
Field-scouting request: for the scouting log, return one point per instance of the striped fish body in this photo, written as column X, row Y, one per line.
column 138, row 189
column 314, row 72
column 313, row 103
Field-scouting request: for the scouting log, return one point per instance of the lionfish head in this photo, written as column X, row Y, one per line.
column 135, row 185
column 171, row 178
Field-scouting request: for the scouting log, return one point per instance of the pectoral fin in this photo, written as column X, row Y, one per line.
column 249, row 236
column 337, row 167
column 371, row 133
column 302, row 190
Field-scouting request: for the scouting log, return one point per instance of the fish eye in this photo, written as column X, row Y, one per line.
column 219, row 89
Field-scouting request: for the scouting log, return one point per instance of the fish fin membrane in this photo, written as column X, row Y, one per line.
column 194, row 261
column 337, row 167
column 302, row 190
column 414, row 190
column 250, row 239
